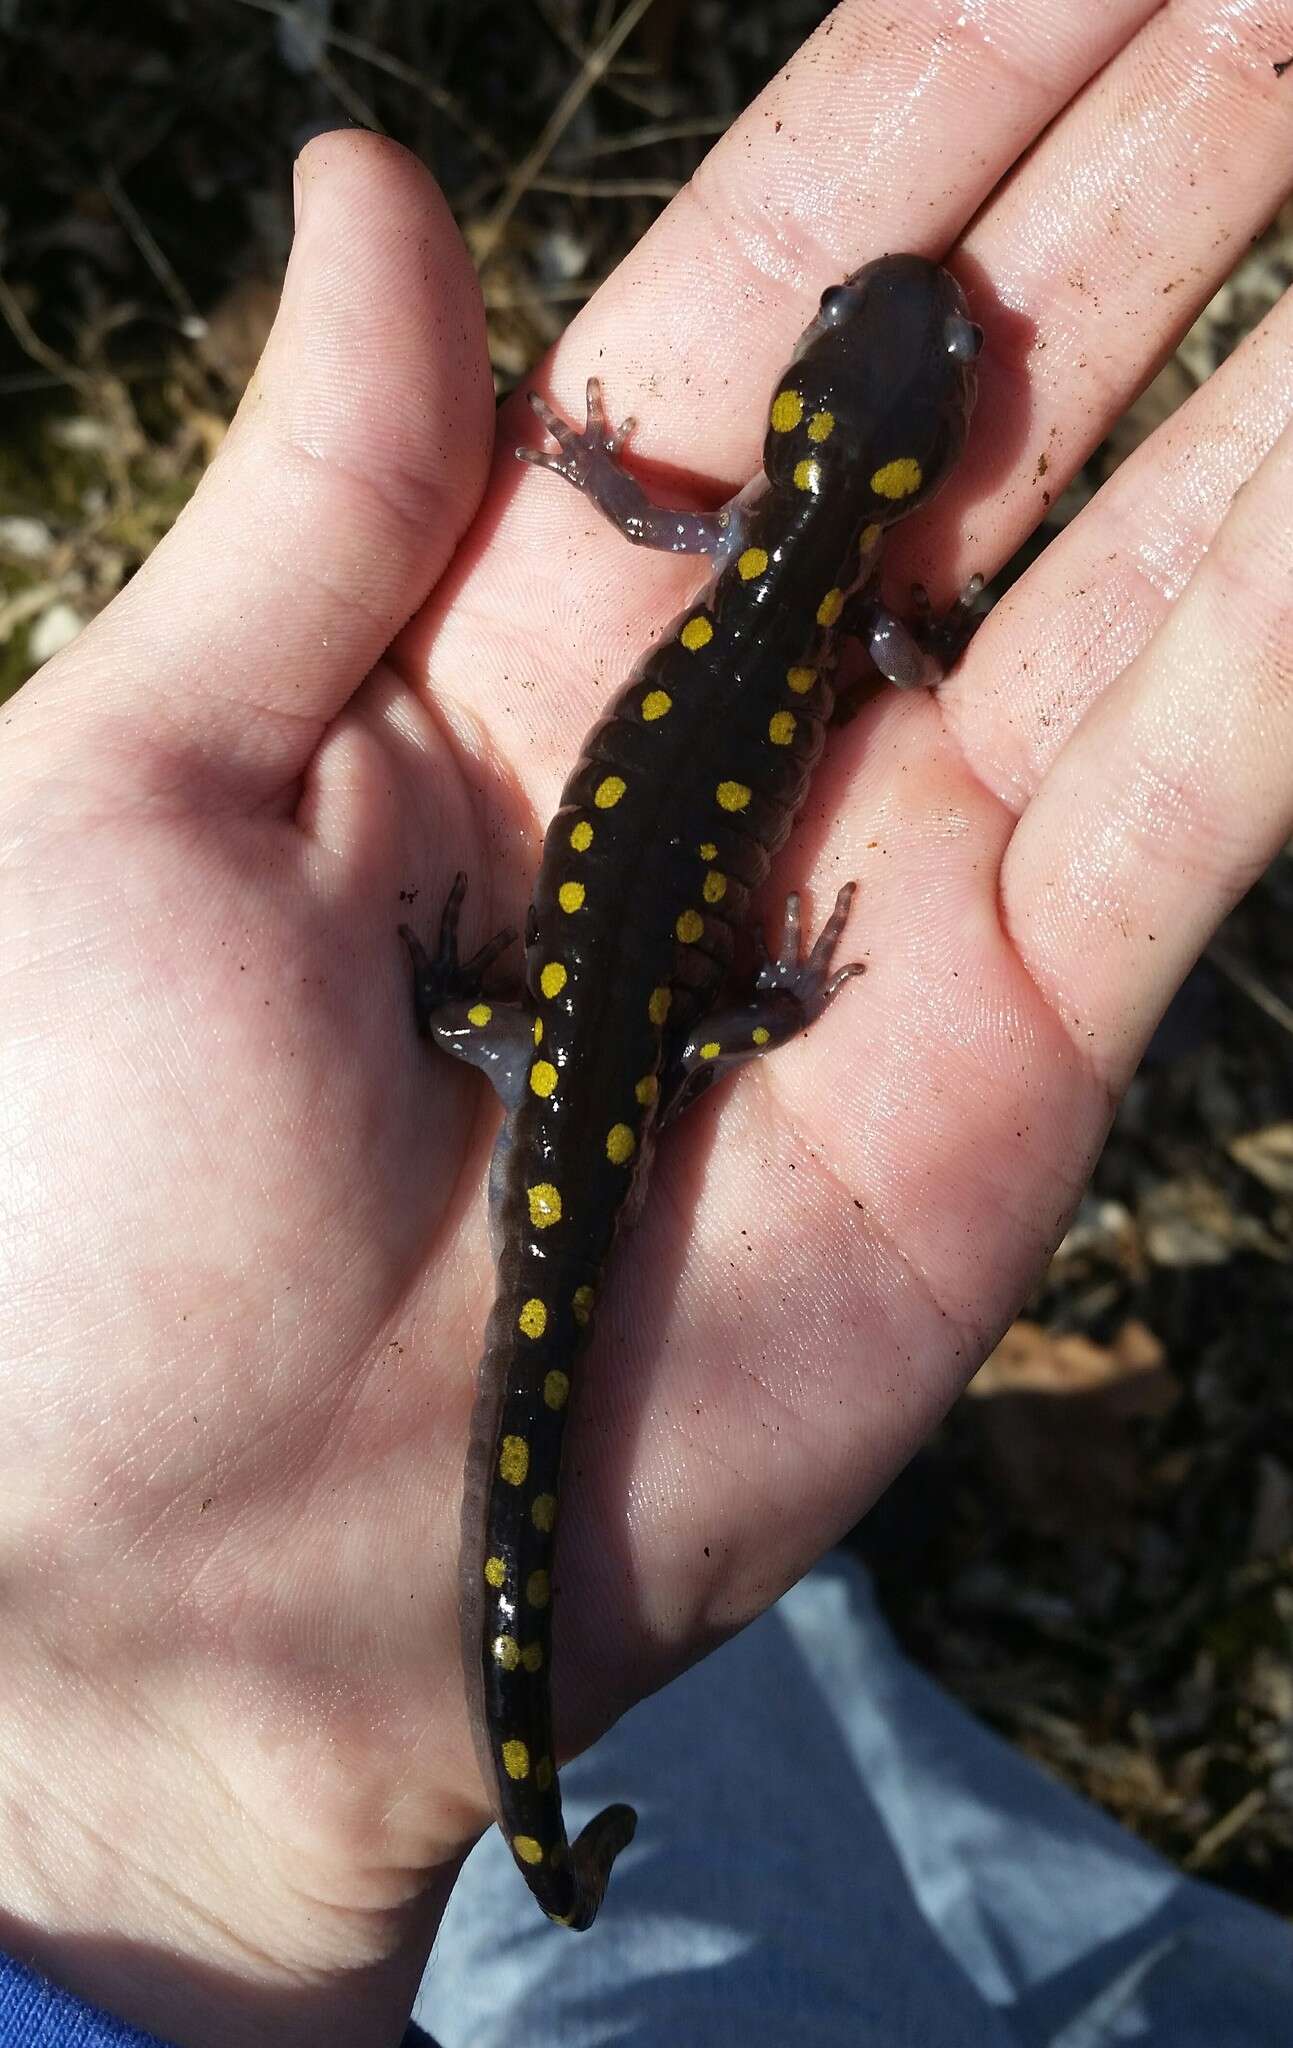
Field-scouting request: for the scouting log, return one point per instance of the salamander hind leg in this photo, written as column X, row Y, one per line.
column 918, row 654
column 450, row 1007
column 789, row 994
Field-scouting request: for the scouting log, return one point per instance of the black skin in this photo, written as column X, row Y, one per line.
column 667, row 826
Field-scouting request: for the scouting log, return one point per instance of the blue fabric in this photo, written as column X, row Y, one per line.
column 831, row 1852
column 36, row 2014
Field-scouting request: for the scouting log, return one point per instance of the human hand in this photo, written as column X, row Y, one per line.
column 245, row 1248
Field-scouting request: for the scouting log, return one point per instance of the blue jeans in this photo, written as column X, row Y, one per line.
column 831, row 1852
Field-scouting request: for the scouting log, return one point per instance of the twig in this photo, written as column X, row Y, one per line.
column 1257, row 992
column 593, row 69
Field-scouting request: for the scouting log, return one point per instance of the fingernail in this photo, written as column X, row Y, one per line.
column 298, row 193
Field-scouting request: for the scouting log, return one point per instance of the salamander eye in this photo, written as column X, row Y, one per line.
column 964, row 338
column 837, row 302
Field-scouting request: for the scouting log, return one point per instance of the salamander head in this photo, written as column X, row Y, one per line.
column 876, row 399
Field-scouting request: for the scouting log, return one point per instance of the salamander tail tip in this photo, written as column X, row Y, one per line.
column 591, row 1857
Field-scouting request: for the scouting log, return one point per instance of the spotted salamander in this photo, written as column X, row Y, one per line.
column 682, row 794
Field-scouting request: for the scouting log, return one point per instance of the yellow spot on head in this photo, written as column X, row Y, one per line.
column 538, row 1589
column 656, row 703
column 658, row 1004
column 533, row 1319
column 646, row 1089
column 760, row 1034
column 609, row 791
column 801, row 680
column 553, row 979
column 707, row 850
column 516, row 1759
column 808, row 475
column 538, row 1031
column 545, row 1205
column 620, row 1144
column 781, row 728
column 532, row 1657
column 581, row 1305
column 898, row 479
column 821, row 426
column 689, row 927
column 787, row 411
column 543, row 1773
column 507, row 1652
column 714, row 888
column 697, row 633
column 495, row 1572
column 581, row 836
column 733, row 796
column 479, row 1013
column 752, row 563
column 869, row 537
column 711, row 1049
column 556, row 1389
column 543, row 1077
column 571, row 897
column 830, row 607
column 514, row 1460
column 543, row 1512
column 527, row 1849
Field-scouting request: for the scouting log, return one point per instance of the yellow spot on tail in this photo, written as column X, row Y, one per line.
column 553, row 979
column 689, row 927
column 733, row 796
column 869, row 537
column 707, row 850
column 781, row 728
column 479, row 1013
column 620, row 1144
column 714, row 887
column 538, row 1031
column 543, row 1077
column 646, row 1089
column 495, row 1572
column 808, row 475
column 658, row 1004
column 752, row 563
column 545, row 1205
column 656, row 703
column 556, row 1388
column 801, row 680
column 821, row 426
column 581, row 1307
column 760, row 1034
column 514, row 1460
column 533, row 1319
column 543, row 1512
column 543, row 1779
column 527, row 1849
column 532, row 1657
column 830, row 607
column 516, row 1759
column 581, row 836
column 538, row 1589
column 711, row 1049
column 697, row 633
column 787, row 411
column 571, row 897
column 507, row 1652
column 898, row 479
column 609, row 791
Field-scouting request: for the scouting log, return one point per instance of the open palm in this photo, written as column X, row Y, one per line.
column 246, row 1268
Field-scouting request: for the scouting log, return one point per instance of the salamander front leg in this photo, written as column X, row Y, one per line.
column 590, row 461
column 919, row 654
column 790, row 993
column 492, row 1035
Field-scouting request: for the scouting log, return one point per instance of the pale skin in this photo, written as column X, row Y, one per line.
column 245, row 1252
